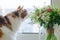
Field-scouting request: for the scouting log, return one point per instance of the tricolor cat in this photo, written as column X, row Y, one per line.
column 10, row 23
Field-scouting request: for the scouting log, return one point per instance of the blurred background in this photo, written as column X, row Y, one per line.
column 7, row 6
column 27, row 31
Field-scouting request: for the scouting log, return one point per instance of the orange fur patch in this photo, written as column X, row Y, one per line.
column 12, row 15
column 1, row 33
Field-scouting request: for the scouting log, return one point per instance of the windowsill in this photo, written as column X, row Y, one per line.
column 28, row 33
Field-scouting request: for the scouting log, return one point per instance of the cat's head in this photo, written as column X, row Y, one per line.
column 20, row 12
column 18, row 15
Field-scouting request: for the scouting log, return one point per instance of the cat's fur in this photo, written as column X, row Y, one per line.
column 10, row 23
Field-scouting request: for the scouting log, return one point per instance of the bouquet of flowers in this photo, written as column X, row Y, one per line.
column 47, row 17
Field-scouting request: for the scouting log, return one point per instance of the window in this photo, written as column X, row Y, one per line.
column 9, row 5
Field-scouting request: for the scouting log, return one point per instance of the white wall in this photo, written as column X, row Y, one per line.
column 57, row 28
column 26, row 3
column 56, row 3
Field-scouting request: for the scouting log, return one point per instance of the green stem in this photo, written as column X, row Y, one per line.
column 51, row 35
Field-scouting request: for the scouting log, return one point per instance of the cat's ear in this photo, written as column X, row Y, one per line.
column 19, row 9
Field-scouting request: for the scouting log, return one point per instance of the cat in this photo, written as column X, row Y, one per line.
column 9, row 23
